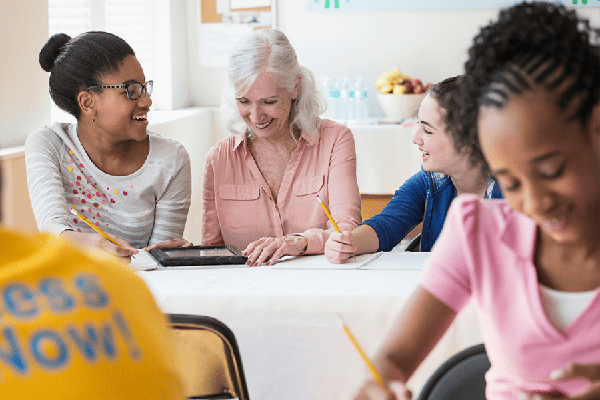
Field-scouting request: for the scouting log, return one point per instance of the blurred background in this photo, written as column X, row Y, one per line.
column 182, row 45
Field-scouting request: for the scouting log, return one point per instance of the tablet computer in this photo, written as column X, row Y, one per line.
column 198, row 255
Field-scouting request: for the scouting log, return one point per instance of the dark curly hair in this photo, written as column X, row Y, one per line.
column 442, row 89
column 80, row 62
column 532, row 46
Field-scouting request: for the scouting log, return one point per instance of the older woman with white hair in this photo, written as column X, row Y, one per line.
column 261, row 183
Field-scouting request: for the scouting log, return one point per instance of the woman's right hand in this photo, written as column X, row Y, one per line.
column 372, row 390
column 98, row 241
column 339, row 247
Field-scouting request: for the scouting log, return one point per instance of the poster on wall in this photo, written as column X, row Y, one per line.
column 224, row 22
column 396, row 5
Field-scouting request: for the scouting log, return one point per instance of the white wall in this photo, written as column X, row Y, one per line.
column 24, row 98
column 171, row 76
column 193, row 128
column 430, row 45
column 180, row 61
column 205, row 83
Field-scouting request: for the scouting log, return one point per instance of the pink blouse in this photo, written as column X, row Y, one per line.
column 238, row 207
column 485, row 253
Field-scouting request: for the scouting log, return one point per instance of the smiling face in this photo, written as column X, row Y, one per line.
column 547, row 166
column 439, row 153
column 266, row 106
column 117, row 115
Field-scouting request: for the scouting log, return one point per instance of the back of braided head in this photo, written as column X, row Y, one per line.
column 532, row 46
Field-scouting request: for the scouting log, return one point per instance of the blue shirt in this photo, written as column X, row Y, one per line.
column 424, row 197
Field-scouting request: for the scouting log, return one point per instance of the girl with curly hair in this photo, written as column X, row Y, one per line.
column 529, row 106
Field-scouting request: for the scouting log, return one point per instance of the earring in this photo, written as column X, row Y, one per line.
column 93, row 119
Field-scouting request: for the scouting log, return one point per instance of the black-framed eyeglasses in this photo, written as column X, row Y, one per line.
column 134, row 89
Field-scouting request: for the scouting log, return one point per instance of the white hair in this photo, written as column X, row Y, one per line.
column 269, row 51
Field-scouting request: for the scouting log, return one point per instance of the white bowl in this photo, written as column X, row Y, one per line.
column 399, row 106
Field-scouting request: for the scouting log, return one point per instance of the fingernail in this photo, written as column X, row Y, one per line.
column 523, row 396
column 557, row 373
column 536, row 397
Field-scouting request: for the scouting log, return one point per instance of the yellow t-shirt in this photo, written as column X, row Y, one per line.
column 77, row 326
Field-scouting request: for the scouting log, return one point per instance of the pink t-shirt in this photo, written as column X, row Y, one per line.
column 485, row 253
column 238, row 207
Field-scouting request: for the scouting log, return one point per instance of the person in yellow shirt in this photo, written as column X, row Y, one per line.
column 78, row 325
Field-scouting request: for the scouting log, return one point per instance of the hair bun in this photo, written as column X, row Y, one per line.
column 52, row 49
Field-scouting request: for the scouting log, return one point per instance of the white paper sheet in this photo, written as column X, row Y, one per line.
column 392, row 260
column 237, row 4
column 222, row 6
column 319, row 262
column 143, row 261
column 397, row 260
column 217, row 41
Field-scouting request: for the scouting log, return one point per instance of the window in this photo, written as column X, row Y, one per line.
column 69, row 16
column 132, row 21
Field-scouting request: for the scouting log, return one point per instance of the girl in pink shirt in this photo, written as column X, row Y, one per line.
column 529, row 104
column 261, row 184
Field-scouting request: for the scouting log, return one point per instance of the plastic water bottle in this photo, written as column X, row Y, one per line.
column 352, row 99
column 361, row 101
column 345, row 101
column 326, row 84
column 333, row 98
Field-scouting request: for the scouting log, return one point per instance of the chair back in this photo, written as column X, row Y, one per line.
column 209, row 358
column 462, row 376
column 415, row 244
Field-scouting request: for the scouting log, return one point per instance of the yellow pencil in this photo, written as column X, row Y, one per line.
column 328, row 215
column 94, row 227
column 371, row 367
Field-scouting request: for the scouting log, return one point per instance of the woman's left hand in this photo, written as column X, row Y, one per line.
column 180, row 242
column 272, row 249
column 591, row 372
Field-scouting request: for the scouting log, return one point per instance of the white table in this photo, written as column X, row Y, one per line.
column 283, row 318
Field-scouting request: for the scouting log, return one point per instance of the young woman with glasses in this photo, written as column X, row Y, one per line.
column 123, row 178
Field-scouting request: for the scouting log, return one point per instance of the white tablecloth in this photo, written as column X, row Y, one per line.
column 283, row 318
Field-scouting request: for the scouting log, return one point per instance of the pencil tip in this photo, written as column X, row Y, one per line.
column 340, row 320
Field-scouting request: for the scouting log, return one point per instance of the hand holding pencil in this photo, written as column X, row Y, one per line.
column 362, row 354
column 119, row 248
column 376, row 388
column 346, row 236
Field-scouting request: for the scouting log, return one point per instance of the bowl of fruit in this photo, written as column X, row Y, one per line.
column 400, row 95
